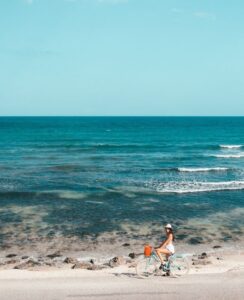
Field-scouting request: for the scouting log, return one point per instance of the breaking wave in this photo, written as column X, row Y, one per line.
column 217, row 169
column 239, row 155
column 230, row 146
column 196, row 187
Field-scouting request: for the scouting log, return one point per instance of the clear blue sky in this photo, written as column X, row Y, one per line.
column 121, row 57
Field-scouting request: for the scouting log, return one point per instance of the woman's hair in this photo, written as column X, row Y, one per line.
column 172, row 232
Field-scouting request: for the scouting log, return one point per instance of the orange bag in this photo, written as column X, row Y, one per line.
column 147, row 250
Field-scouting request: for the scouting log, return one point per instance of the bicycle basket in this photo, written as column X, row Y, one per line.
column 147, row 250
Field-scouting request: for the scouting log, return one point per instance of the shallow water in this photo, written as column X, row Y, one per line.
column 90, row 178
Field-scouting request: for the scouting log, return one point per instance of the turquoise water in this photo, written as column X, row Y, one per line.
column 86, row 176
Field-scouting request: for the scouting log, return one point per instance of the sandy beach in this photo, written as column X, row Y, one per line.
column 121, row 150
column 221, row 276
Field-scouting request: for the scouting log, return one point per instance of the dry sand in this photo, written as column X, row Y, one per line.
column 222, row 279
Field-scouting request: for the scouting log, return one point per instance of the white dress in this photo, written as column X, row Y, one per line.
column 171, row 248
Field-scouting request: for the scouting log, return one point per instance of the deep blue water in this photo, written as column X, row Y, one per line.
column 84, row 176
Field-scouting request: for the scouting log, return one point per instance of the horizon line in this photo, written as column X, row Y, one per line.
column 122, row 116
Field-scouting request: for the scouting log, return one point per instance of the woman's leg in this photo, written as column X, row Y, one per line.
column 164, row 251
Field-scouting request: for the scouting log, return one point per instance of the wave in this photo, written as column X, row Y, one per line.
column 69, row 194
column 217, row 169
column 230, row 146
column 196, row 187
column 195, row 169
column 240, row 155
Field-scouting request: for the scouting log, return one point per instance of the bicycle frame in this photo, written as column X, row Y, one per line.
column 175, row 265
column 150, row 259
column 154, row 257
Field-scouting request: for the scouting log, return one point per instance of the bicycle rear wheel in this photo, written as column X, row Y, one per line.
column 146, row 267
column 179, row 266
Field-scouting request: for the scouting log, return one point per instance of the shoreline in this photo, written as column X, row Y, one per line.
column 57, row 258
column 108, row 247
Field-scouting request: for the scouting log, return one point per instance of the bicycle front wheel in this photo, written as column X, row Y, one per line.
column 179, row 266
column 146, row 267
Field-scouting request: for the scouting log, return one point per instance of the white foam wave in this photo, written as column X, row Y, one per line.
column 239, row 155
column 230, row 146
column 94, row 202
column 196, row 187
column 68, row 194
column 217, row 169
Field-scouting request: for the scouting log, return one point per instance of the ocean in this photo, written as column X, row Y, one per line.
column 92, row 180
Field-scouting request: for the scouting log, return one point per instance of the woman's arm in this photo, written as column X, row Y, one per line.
column 166, row 241
column 161, row 245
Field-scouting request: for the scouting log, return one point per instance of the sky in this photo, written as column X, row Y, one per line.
column 121, row 57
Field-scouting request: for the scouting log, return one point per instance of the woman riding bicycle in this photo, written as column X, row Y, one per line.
column 167, row 248
column 176, row 265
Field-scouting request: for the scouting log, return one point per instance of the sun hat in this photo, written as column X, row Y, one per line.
column 168, row 226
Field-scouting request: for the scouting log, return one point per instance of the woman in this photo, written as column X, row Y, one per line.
column 167, row 248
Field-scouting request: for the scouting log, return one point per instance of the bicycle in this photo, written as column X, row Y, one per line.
column 176, row 265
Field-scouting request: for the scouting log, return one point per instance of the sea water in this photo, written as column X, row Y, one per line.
column 87, row 177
